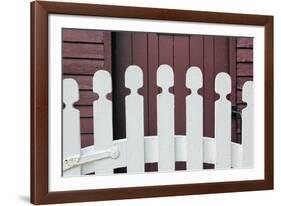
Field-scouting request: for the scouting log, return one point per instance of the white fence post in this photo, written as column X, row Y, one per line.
column 194, row 119
column 223, row 121
column 247, row 125
column 102, row 112
column 134, row 120
column 71, row 127
column 165, row 119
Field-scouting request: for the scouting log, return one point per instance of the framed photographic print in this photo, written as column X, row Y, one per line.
column 131, row 102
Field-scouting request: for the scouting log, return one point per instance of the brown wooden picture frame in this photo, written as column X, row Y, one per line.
column 39, row 102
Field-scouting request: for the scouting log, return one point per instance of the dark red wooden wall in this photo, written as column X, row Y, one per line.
column 86, row 51
column 149, row 50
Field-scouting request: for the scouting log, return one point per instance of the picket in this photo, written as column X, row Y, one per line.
column 165, row 119
column 102, row 113
column 71, row 128
column 165, row 148
column 223, row 121
column 247, row 125
column 194, row 123
column 134, row 123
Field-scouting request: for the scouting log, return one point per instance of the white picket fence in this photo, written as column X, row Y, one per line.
column 166, row 148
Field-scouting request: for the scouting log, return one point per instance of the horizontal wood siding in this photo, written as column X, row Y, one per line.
column 84, row 52
column 82, row 66
column 244, row 72
column 87, row 36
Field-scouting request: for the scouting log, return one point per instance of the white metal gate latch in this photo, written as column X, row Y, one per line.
column 75, row 161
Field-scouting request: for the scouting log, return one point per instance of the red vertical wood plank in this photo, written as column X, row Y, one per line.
column 221, row 54
column 166, row 55
column 139, row 58
column 181, row 64
column 153, row 64
column 196, row 55
column 209, row 80
column 122, row 53
column 233, row 74
column 166, row 51
column 196, row 51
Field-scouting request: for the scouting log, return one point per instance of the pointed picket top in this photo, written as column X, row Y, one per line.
column 223, row 84
column 134, row 120
column 70, row 92
column 194, row 119
column 102, row 83
column 194, row 79
column 165, row 119
column 223, row 121
column 247, row 125
column 133, row 78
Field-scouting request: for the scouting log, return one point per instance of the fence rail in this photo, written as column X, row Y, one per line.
column 166, row 148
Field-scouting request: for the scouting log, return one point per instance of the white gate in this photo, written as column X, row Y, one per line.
column 166, row 148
